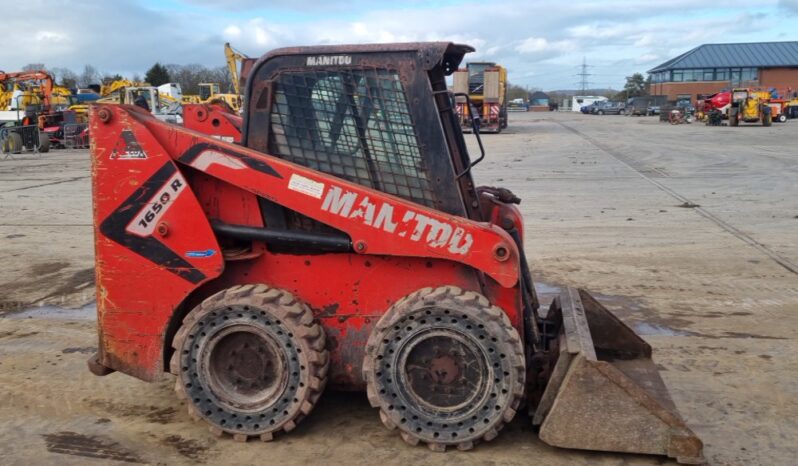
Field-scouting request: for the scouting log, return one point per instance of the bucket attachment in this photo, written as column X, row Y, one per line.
column 605, row 392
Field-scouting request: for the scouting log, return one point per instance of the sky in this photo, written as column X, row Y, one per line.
column 542, row 44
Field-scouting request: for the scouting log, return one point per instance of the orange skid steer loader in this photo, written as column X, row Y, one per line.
column 341, row 243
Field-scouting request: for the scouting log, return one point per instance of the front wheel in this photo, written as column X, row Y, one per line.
column 767, row 118
column 250, row 361
column 782, row 118
column 445, row 367
column 44, row 143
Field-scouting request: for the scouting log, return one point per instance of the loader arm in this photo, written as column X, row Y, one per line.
column 376, row 222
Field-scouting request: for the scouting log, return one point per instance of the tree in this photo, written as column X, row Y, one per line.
column 636, row 86
column 516, row 92
column 65, row 77
column 109, row 78
column 157, row 75
column 34, row 67
column 89, row 76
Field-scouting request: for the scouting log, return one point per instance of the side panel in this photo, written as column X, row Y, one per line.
column 153, row 246
column 492, row 86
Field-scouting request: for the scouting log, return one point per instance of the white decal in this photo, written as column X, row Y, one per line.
column 223, row 138
column 306, row 186
column 211, row 157
column 144, row 222
column 327, row 60
column 435, row 233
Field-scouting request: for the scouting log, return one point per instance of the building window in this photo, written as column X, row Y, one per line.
column 678, row 76
column 709, row 75
column 748, row 74
column 734, row 76
column 722, row 74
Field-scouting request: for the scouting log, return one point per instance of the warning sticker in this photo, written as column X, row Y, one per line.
column 306, row 186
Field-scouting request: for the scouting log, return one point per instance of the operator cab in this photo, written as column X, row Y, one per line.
column 366, row 114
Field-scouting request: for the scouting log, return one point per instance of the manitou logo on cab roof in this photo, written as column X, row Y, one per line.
column 325, row 60
column 435, row 233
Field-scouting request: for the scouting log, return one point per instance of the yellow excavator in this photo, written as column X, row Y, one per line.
column 211, row 92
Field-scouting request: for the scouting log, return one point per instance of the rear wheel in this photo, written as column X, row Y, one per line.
column 445, row 367
column 14, row 143
column 44, row 142
column 782, row 118
column 733, row 117
column 250, row 361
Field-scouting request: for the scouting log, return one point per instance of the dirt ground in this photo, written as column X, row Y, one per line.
column 689, row 233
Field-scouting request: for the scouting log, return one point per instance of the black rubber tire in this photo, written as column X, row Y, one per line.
column 297, row 339
column 471, row 318
column 782, row 118
column 767, row 118
column 15, row 144
column 601, row 112
column 733, row 117
column 44, row 143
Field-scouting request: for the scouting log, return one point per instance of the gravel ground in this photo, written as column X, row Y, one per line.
column 689, row 233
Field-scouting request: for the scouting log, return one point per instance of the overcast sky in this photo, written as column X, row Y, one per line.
column 541, row 43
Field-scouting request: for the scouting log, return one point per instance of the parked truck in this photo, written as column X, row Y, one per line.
column 482, row 88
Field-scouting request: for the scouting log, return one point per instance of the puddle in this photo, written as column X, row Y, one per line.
column 631, row 310
column 546, row 289
column 87, row 312
column 644, row 328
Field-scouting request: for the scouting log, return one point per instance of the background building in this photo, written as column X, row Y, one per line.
column 539, row 102
column 710, row 68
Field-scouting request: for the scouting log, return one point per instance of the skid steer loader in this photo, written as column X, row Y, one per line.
column 343, row 244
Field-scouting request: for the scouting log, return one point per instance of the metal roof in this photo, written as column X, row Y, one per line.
column 752, row 54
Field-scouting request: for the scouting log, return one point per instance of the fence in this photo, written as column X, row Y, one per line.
column 76, row 136
column 29, row 138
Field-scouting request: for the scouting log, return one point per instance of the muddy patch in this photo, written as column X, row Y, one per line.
column 189, row 448
column 81, row 350
column 72, row 443
column 644, row 328
column 49, row 268
column 11, row 306
column 12, row 335
column 80, row 280
column 152, row 414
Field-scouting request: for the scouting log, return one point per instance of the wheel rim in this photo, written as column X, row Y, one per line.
column 442, row 370
column 245, row 367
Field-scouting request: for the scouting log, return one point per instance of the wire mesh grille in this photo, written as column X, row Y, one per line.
column 354, row 124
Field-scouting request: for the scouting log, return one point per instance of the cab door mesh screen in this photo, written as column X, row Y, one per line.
column 354, row 124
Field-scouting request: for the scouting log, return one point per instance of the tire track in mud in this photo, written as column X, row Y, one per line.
column 68, row 180
column 72, row 443
column 729, row 228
